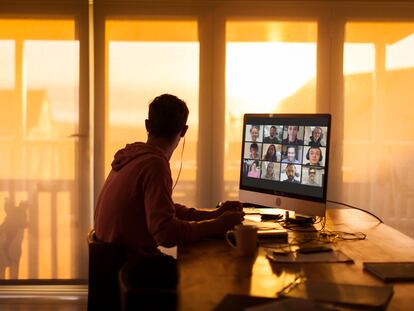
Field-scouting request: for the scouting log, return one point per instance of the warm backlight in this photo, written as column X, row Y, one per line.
column 378, row 112
column 270, row 67
column 146, row 58
column 39, row 83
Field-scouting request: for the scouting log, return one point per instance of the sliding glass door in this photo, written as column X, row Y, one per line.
column 41, row 223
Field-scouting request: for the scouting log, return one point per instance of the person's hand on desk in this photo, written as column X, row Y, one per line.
column 219, row 226
column 227, row 221
column 229, row 206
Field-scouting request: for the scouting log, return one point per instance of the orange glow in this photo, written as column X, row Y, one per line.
column 37, row 29
column 270, row 67
column 378, row 112
column 152, row 30
column 146, row 58
column 39, row 111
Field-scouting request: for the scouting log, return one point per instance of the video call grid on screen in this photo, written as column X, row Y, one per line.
column 285, row 154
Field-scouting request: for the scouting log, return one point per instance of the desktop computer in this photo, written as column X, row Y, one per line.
column 284, row 162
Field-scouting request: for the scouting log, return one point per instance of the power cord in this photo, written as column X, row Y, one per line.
column 357, row 208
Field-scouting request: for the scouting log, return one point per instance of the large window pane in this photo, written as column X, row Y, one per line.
column 38, row 195
column 378, row 114
column 270, row 67
column 146, row 59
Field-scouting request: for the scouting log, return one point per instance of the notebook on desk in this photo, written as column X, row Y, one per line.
column 391, row 271
column 361, row 296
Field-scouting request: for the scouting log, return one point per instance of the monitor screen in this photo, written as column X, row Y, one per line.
column 284, row 161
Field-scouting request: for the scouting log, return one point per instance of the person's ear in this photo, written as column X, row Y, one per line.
column 183, row 131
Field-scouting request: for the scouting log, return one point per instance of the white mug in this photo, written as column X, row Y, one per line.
column 246, row 239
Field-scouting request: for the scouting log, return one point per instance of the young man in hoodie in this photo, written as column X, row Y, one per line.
column 135, row 207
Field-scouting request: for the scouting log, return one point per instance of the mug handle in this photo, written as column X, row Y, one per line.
column 229, row 234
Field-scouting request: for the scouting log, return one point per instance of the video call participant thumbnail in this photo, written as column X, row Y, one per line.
column 253, row 133
column 314, row 156
column 316, row 137
column 254, row 170
column 312, row 176
column 291, row 155
column 254, row 151
column 292, row 137
column 270, row 170
column 271, row 153
column 273, row 136
column 292, row 173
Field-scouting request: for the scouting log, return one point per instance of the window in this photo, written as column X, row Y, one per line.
column 39, row 88
column 270, row 67
column 251, row 58
column 378, row 113
column 147, row 58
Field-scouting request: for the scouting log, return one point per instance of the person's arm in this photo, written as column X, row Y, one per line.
column 192, row 214
column 161, row 217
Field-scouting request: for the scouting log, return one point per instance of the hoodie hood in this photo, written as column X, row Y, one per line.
column 131, row 151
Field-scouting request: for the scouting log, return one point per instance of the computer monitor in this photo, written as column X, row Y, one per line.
column 284, row 161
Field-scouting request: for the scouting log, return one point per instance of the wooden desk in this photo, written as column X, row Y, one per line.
column 210, row 269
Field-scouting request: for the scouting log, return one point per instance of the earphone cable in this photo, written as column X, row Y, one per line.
column 181, row 165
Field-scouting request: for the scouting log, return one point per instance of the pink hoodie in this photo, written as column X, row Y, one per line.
column 135, row 207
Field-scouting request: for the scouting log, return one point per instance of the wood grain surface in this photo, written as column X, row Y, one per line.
column 209, row 270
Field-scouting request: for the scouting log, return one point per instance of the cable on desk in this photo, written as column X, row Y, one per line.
column 354, row 207
column 325, row 235
column 333, row 236
column 301, row 228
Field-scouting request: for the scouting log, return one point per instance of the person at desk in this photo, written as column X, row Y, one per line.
column 135, row 207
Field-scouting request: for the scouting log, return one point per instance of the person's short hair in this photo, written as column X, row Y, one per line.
column 274, row 127
column 290, row 147
column 318, row 127
column 320, row 153
column 167, row 115
column 254, row 146
column 290, row 164
column 256, row 126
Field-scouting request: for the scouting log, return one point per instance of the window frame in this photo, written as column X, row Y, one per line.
column 76, row 10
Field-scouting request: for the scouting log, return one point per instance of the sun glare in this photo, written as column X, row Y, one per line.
column 261, row 75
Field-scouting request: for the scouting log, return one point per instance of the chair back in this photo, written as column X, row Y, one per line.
column 105, row 261
column 149, row 283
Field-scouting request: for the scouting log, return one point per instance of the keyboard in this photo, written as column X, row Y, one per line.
column 265, row 210
column 251, row 210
